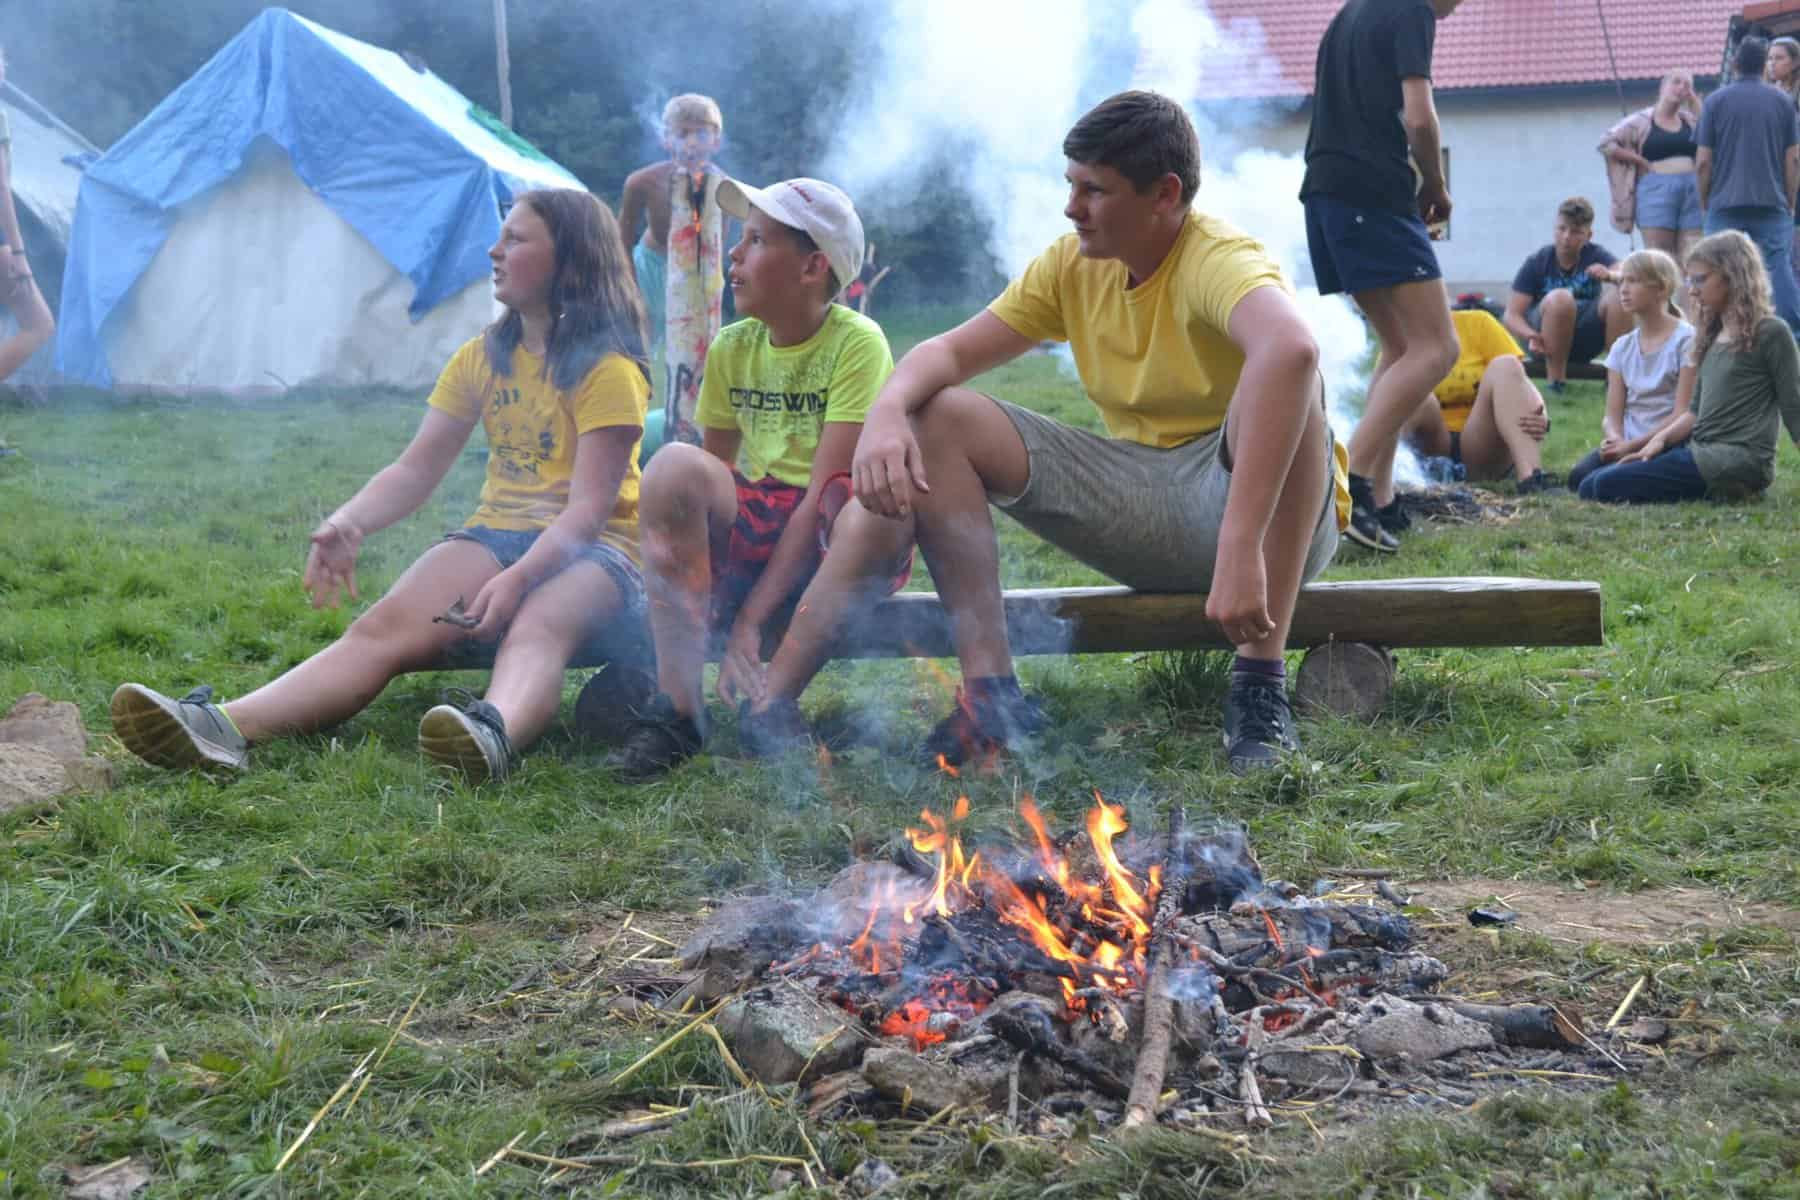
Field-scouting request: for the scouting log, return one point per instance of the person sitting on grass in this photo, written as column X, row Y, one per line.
column 1561, row 306
column 560, row 384
column 1218, row 472
column 1485, row 414
column 1647, row 371
column 1746, row 383
column 734, row 528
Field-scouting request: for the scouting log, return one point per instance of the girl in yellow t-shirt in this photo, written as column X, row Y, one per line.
column 547, row 561
column 1485, row 414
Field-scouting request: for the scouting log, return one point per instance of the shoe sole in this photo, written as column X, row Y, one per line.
column 446, row 738
column 1360, row 538
column 151, row 728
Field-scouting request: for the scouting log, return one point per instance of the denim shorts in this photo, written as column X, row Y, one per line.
column 1359, row 249
column 1668, row 201
column 1144, row 516
column 624, row 638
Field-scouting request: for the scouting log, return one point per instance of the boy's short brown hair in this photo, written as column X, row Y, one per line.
column 1576, row 211
column 691, row 108
column 1141, row 135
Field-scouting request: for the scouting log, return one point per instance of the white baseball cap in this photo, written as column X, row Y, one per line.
column 819, row 209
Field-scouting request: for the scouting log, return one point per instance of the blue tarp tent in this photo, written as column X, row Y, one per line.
column 306, row 209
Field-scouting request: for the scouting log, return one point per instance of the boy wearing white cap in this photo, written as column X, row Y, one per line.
column 732, row 529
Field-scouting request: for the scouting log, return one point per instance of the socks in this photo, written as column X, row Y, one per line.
column 1266, row 669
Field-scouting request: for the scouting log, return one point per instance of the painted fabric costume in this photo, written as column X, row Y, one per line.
column 694, row 290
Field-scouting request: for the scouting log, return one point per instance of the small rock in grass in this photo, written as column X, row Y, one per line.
column 871, row 1177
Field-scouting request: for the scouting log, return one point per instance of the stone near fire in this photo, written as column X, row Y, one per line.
column 839, row 910
column 744, row 937
column 780, row 1035
column 37, row 729
column 1389, row 1026
column 871, row 1177
column 971, row 1079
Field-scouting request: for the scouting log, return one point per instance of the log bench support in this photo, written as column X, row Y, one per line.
column 1348, row 629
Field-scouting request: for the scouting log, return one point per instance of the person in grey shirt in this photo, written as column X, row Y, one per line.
column 1749, row 167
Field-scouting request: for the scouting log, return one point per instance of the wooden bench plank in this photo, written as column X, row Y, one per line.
column 1478, row 611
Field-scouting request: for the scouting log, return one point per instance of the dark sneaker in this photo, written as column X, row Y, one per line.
column 1259, row 723
column 1539, row 482
column 656, row 741
column 773, row 731
column 1557, row 386
column 189, row 732
column 1393, row 517
column 1365, row 525
column 981, row 729
column 469, row 736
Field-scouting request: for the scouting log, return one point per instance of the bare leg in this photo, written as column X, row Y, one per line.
column 36, row 326
column 1412, row 321
column 1492, row 441
column 865, row 552
column 1426, row 431
column 1290, row 532
column 527, row 683
column 970, row 447
column 686, row 506
column 1556, row 325
column 395, row 636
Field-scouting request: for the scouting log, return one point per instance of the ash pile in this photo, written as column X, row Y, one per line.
column 1104, row 975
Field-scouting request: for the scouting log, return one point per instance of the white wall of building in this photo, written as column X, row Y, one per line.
column 1513, row 158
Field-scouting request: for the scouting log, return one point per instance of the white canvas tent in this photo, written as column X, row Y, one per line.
column 306, row 210
column 46, row 176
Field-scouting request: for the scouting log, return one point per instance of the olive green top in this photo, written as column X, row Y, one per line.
column 1741, row 397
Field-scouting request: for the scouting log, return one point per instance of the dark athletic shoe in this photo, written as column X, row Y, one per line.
column 189, row 732
column 773, row 731
column 1365, row 523
column 1393, row 517
column 981, row 729
column 657, row 740
column 1539, row 482
column 1259, row 723
column 468, row 736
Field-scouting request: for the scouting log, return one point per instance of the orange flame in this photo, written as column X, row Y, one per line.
column 1104, row 823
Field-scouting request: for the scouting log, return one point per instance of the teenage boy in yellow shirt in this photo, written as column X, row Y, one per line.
column 732, row 529
column 1218, row 474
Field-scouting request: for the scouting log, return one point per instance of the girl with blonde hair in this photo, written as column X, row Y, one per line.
column 1647, row 371
column 1650, row 167
column 1746, row 384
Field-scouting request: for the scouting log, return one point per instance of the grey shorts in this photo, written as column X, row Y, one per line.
column 1145, row 517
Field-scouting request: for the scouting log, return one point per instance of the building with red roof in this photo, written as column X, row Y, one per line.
column 1525, row 90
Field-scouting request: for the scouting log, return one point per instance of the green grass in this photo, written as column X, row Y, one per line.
column 190, row 968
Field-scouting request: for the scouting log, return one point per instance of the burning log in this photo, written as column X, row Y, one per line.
column 1030, row 1028
column 1153, row 1056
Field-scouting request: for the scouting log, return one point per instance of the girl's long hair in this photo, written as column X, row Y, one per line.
column 1736, row 257
column 595, row 308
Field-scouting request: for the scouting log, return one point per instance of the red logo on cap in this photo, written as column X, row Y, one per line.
column 802, row 192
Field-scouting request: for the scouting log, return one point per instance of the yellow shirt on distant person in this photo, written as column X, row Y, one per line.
column 1157, row 359
column 531, row 430
column 780, row 397
column 1483, row 340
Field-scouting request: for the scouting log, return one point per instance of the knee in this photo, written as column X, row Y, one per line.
column 387, row 630
column 1507, row 368
column 1445, row 351
column 1560, row 302
column 673, row 479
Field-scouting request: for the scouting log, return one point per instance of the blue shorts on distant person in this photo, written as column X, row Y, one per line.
column 1358, row 249
column 1669, row 201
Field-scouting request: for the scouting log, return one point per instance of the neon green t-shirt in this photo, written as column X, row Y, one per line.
column 780, row 397
column 531, row 430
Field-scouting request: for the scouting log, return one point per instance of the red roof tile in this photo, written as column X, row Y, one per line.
column 1491, row 43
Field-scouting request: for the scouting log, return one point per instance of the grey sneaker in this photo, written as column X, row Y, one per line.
column 1259, row 723
column 469, row 736
column 189, row 732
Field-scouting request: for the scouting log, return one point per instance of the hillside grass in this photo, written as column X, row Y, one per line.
column 190, row 967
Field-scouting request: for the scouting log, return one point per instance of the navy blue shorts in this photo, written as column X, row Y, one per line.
column 1359, row 249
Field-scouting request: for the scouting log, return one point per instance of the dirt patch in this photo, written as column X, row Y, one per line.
column 1581, row 916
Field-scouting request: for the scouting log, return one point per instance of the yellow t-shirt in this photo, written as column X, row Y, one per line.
column 1157, row 360
column 531, row 430
column 1483, row 340
column 780, row 397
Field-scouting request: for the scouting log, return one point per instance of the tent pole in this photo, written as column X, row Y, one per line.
column 504, row 62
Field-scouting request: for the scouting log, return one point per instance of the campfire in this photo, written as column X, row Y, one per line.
column 1096, row 969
